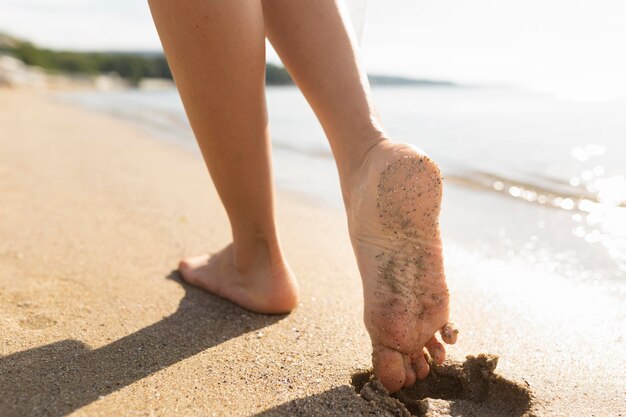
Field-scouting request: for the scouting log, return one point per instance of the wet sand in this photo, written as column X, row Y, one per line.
column 94, row 216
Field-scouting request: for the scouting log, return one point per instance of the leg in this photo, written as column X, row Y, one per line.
column 392, row 192
column 216, row 50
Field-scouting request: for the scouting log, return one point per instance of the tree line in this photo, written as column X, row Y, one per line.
column 131, row 66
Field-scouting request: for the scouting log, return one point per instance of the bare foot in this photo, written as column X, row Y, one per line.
column 257, row 283
column 393, row 217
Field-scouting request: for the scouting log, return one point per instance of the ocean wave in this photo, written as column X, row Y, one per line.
column 535, row 188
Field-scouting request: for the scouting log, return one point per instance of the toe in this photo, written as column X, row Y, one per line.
column 410, row 375
column 436, row 350
column 389, row 368
column 449, row 333
column 192, row 262
column 421, row 366
column 188, row 268
column 183, row 265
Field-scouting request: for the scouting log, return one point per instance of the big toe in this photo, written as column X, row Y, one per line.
column 190, row 268
column 192, row 262
column 389, row 367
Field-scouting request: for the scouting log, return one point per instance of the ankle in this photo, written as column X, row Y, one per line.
column 354, row 169
column 256, row 253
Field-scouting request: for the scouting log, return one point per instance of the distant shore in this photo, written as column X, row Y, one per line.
column 25, row 64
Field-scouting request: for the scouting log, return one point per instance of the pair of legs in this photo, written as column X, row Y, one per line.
column 392, row 192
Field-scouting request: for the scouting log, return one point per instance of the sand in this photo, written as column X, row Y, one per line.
column 94, row 321
column 468, row 388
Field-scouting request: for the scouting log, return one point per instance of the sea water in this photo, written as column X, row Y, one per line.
column 551, row 170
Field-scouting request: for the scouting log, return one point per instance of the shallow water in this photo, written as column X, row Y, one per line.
column 534, row 178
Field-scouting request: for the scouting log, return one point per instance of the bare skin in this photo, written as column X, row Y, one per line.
column 393, row 218
column 225, row 104
column 260, row 286
column 392, row 192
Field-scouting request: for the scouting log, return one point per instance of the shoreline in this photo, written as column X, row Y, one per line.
column 96, row 214
column 571, row 224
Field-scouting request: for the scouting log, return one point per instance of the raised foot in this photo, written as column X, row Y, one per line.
column 393, row 216
column 263, row 285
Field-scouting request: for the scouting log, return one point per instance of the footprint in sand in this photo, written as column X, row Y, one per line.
column 37, row 322
column 451, row 389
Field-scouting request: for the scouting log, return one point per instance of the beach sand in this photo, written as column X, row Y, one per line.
column 94, row 321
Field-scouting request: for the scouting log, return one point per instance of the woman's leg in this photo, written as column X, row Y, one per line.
column 392, row 192
column 216, row 51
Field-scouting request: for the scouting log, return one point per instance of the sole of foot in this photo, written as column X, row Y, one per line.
column 393, row 216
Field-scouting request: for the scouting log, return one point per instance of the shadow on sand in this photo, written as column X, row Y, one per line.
column 56, row 379
column 458, row 389
column 339, row 401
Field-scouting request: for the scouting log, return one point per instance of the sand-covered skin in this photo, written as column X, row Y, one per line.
column 94, row 216
column 393, row 217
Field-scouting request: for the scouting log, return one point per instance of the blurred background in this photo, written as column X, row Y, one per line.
column 523, row 103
